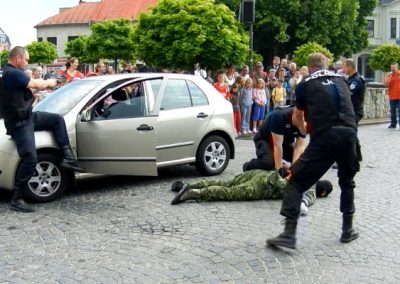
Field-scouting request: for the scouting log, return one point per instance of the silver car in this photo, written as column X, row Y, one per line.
column 128, row 124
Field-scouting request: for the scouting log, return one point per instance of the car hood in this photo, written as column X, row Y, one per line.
column 6, row 143
column 43, row 139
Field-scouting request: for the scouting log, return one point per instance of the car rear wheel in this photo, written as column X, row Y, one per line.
column 212, row 156
column 49, row 180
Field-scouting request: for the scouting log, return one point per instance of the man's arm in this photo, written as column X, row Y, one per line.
column 278, row 151
column 41, row 84
column 387, row 80
column 298, row 148
column 298, row 120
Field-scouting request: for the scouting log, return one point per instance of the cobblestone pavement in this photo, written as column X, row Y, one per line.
column 124, row 230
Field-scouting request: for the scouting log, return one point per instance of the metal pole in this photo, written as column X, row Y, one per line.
column 250, row 48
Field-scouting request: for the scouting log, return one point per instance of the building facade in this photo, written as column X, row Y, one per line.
column 5, row 43
column 383, row 28
column 75, row 21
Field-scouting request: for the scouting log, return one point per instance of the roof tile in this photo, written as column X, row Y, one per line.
column 87, row 12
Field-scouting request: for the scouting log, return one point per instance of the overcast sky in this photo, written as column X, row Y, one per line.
column 18, row 17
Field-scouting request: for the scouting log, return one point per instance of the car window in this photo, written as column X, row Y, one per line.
column 198, row 97
column 176, row 95
column 127, row 102
column 155, row 86
column 65, row 98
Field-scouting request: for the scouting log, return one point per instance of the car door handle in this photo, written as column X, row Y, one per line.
column 144, row 127
column 202, row 115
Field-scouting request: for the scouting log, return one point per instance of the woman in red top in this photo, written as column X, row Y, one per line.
column 71, row 72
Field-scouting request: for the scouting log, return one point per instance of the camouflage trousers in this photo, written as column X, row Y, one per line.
column 249, row 185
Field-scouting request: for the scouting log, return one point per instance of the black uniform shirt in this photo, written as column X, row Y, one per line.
column 278, row 122
column 357, row 88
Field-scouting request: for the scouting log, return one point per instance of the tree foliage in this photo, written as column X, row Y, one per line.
column 41, row 52
column 178, row 33
column 111, row 39
column 283, row 25
column 78, row 48
column 4, row 57
column 303, row 51
column 383, row 56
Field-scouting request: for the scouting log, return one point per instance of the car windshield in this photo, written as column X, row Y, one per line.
column 65, row 98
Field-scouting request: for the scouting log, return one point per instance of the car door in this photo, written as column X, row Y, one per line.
column 183, row 118
column 120, row 136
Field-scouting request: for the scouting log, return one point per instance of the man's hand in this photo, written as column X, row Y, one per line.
column 51, row 83
column 283, row 172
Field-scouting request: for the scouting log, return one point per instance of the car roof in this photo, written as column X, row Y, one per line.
column 115, row 77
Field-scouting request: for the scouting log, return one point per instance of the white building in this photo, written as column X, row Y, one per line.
column 383, row 28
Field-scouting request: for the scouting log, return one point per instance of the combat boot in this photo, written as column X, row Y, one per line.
column 17, row 203
column 177, row 186
column 185, row 194
column 69, row 161
column 286, row 239
column 348, row 232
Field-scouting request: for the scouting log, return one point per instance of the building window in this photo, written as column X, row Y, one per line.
column 370, row 28
column 72, row 38
column 39, row 39
column 52, row 40
column 393, row 28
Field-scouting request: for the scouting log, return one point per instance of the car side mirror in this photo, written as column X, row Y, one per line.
column 86, row 115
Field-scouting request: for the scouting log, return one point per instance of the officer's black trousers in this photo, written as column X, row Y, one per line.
column 22, row 132
column 265, row 157
column 335, row 145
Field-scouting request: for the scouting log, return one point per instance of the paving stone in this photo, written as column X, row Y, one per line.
column 124, row 230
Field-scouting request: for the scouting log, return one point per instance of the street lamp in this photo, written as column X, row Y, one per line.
column 247, row 9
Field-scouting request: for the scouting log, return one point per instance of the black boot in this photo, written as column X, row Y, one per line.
column 18, row 204
column 186, row 193
column 69, row 161
column 177, row 186
column 348, row 232
column 286, row 239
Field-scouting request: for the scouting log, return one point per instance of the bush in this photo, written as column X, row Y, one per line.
column 303, row 51
column 383, row 56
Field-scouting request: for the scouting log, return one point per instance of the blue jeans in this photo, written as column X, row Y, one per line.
column 23, row 134
column 394, row 107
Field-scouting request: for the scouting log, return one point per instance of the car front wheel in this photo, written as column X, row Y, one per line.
column 49, row 180
column 212, row 156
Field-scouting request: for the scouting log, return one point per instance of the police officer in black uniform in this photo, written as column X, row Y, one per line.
column 277, row 139
column 16, row 107
column 357, row 87
column 323, row 109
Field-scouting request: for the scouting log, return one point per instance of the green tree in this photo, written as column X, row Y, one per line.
column 4, row 57
column 177, row 33
column 303, row 51
column 78, row 48
column 383, row 56
column 41, row 52
column 286, row 24
column 111, row 39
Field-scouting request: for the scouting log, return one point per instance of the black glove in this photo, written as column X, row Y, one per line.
column 283, row 172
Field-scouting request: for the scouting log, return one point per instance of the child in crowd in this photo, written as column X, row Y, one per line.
column 259, row 100
column 240, row 82
column 235, row 100
column 221, row 87
column 246, row 101
column 279, row 95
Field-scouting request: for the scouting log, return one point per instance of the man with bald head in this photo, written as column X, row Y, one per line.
column 16, row 108
column 323, row 109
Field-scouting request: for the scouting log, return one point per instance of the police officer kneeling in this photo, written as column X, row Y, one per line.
column 324, row 109
column 20, row 122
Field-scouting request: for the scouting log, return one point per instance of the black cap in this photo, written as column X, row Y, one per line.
column 323, row 188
